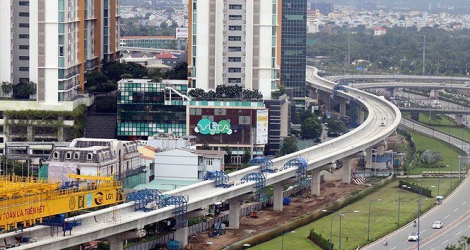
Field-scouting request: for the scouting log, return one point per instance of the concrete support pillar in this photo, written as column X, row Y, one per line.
column 381, row 150
column 391, row 91
column 115, row 242
column 181, row 235
column 368, row 158
column 315, row 185
column 234, row 213
column 342, row 107
column 361, row 116
column 278, row 196
column 347, row 170
column 458, row 120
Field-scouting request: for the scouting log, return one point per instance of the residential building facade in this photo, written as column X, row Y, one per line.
column 54, row 43
column 234, row 42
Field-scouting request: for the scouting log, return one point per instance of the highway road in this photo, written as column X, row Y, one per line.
column 453, row 212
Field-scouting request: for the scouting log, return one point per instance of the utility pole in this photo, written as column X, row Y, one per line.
column 349, row 47
column 424, row 54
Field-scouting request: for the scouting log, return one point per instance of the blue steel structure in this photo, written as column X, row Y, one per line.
column 260, row 185
column 264, row 162
column 301, row 165
column 181, row 206
column 143, row 197
column 221, row 179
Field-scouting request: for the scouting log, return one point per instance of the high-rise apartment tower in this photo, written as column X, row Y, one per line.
column 294, row 48
column 53, row 43
column 234, row 42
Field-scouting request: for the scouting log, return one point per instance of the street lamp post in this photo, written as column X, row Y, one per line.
column 368, row 220
column 399, row 200
column 340, row 216
column 282, row 239
column 419, row 210
column 331, row 224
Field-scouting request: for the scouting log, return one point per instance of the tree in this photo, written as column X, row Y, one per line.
column 336, row 125
column 289, row 145
column 228, row 155
column 205, row 146
column 24, row 90
column 94, row 78
column 179, row 72
column 311, row 128
column 246, row 156
column 7, row 88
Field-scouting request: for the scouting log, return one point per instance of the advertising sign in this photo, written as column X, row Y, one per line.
column 181, row 32
column 262, row 126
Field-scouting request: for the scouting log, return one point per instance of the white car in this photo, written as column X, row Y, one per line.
column 437, row 225
column 413, row 236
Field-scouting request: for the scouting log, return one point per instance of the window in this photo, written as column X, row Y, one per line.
column 56, row 155
column 235, row 27
column 234, row 49
column 235, row 17
column 234, row 59
column 234, row 80
column 24, row 58
column 24, row 68
column 89, row 156
column 24, row 25
column 234, row 70
column 23, row 36
column 76, row 156
column 24, row 79
column 209, row 161
column 25, row 14
column 23, row 3
column 235, row 6
column 24, row 46
column 234, row 38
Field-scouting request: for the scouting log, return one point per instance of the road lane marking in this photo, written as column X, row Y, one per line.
column 444, row 241
column 456, row 209
column 464, row 203
column 423, row 231
column 459, row 233
column 447, row 216
column 393, row 248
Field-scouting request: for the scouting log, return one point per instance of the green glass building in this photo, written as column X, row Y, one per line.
column 145, row 108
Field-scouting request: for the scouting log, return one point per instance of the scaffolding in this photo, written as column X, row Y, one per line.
column 181, row 207
column 301, row 165
column 144, row 199
column 265, row 163
column 260, row 192
column 221, row 179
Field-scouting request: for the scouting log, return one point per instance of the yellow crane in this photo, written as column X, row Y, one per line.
column 26, row 201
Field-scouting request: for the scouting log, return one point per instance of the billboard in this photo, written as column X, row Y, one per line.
column 181, row 32
column 262, row 126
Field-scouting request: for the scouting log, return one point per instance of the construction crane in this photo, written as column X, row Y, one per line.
column 26, row 201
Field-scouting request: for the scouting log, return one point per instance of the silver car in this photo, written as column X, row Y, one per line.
column 413, row 236
column 437, row 225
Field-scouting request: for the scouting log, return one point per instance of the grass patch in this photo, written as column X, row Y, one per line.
column 384, row 213
column 449, row 155
column 383, row 217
